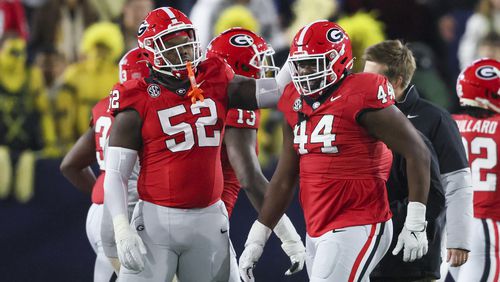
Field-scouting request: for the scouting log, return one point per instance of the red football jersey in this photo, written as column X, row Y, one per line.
column 102, row 120
column 343, row 169
column 180, row 154
column 481, row 140
column 240, row 119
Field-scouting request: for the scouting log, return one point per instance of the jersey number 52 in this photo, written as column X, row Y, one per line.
column 187, row 129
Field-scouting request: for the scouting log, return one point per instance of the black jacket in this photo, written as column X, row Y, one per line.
column 391, row 267
column 444, row 141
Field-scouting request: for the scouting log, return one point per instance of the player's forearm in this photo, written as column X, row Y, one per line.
column 269, row 91
column 251, row 94
column 84, row 179
column 119, row 165
column 277, row 199
column 418, row 171
column 255, row 191
column 459, row 207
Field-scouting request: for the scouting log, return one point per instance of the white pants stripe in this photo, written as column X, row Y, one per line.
column 367, row 253
column 483, row 264
column 347, row 254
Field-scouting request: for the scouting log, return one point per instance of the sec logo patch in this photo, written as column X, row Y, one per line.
column 154, row 90
column 297, row 105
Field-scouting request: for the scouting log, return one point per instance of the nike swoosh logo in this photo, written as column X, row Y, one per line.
column 223, row 231
column 413, row 233
column 337, row 230
column 335, row 98
column 410, row 116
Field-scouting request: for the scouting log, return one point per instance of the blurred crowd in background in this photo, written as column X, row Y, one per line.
column 59, row 57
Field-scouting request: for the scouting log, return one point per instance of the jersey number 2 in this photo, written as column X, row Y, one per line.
column 488, row 162
column 186, row 128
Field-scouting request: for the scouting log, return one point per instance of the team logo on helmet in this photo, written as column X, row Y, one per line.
column 334, row 35
column 142, row 28
column 241, row 40
column 297, row 105
column 154, row 90
column 487, row 72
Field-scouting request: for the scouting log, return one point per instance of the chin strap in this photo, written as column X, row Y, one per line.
column 196, row 93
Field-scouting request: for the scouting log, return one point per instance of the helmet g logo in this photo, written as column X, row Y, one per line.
column 241, row 40
column 142, row 28
column 487, row 72
column 334, row 35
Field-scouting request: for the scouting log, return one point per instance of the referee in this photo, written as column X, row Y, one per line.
column 394, row 60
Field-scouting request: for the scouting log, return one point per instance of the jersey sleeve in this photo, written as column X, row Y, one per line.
column 243, row 118
column 376, row 93
column 216, row 69
column 127, row 96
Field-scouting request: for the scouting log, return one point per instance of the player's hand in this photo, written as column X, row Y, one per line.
column 254, row 246
column 297, row 253
column 414, row 243
column 129, row 245
column 248, row 260
column 291, row 244
column 457, row 257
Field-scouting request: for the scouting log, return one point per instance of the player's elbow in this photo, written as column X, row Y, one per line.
column 66, row 167
column 420, row 155
column 252, row 180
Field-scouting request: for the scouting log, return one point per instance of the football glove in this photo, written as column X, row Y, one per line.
column 291, row 244
column 413, row 237
column 129, row 245
column 254, row 246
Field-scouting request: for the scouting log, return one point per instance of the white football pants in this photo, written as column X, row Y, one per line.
column 484, row 260
column 103, row 270
column 347, row 254
column 192, row 243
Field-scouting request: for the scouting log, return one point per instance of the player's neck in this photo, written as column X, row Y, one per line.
column 171, row 83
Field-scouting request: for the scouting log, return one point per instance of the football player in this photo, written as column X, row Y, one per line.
column 333, row 140
column 89, row 149
column 478, row 88
column 249, row 55
column 174, row 120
